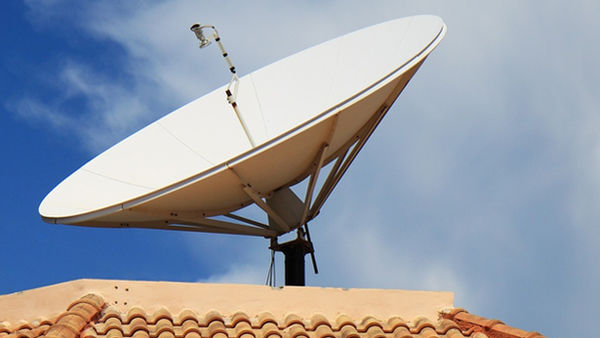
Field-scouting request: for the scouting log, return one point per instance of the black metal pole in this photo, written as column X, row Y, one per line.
column 294, row 263
column 294, row 252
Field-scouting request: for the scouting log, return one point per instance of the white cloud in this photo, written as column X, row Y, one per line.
column 110, row 110
column 238, row 274
column 34, row 111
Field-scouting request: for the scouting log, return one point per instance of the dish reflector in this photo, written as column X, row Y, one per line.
column 310, row 109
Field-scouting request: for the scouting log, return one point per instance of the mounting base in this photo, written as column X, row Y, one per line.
column 294, row 252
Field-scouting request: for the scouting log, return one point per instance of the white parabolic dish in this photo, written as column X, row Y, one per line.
column 303, row 112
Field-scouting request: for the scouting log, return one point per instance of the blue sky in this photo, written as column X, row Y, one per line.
column 484, row 178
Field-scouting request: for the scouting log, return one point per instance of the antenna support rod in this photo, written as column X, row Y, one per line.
column 294, row 252
column 235, row 81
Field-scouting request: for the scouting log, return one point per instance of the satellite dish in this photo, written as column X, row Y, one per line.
column 193, row 168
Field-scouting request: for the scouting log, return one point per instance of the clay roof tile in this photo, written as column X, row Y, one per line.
column 110, row 313
column 20, row 334
column 451, row 312
column 89, row 332
column 23, row 325
column 78, row 314
column 394, row 322
column 491, row 327
column 292, row 319
column 114, row 333
column 165, row 334
column 265, row 318
column 269, row 329
column 445, row 325
column 323, row 331
column 401, row 331
column 454, row 333
column 219, row 335
column 192, row 334
column 349, row 331
column 135, row 312
column 239, row 317
column 4, row 327
column 190, row 324
column 216, row 326
column 41, row 330
column 212, row 316
column 318, row 320
column 161, row 314
column 141, row 334
column 296, row 330
column 96, row 301
column 343, row 320
column 374, row 331
column 186, row 315
column 137, row 324
column 164, row 325
column 368, row 322
column 66, row 329
column 242, row 327
column 112, row 323
column 247, row 335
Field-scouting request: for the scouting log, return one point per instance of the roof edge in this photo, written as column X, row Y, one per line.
column 490, row 327
column 49, row 301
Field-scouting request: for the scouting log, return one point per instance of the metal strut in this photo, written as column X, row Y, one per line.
column 271, row 274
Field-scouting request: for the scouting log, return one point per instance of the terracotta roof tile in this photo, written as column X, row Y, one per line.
column 135, row 312
column 68, row 324
column 296, row 330
column 349, row 331
column 492, row 328
column 4, row 328
column 403, row 331
column 140, row 334
column 161, row 314
column 189, row 324
column 265, row 318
